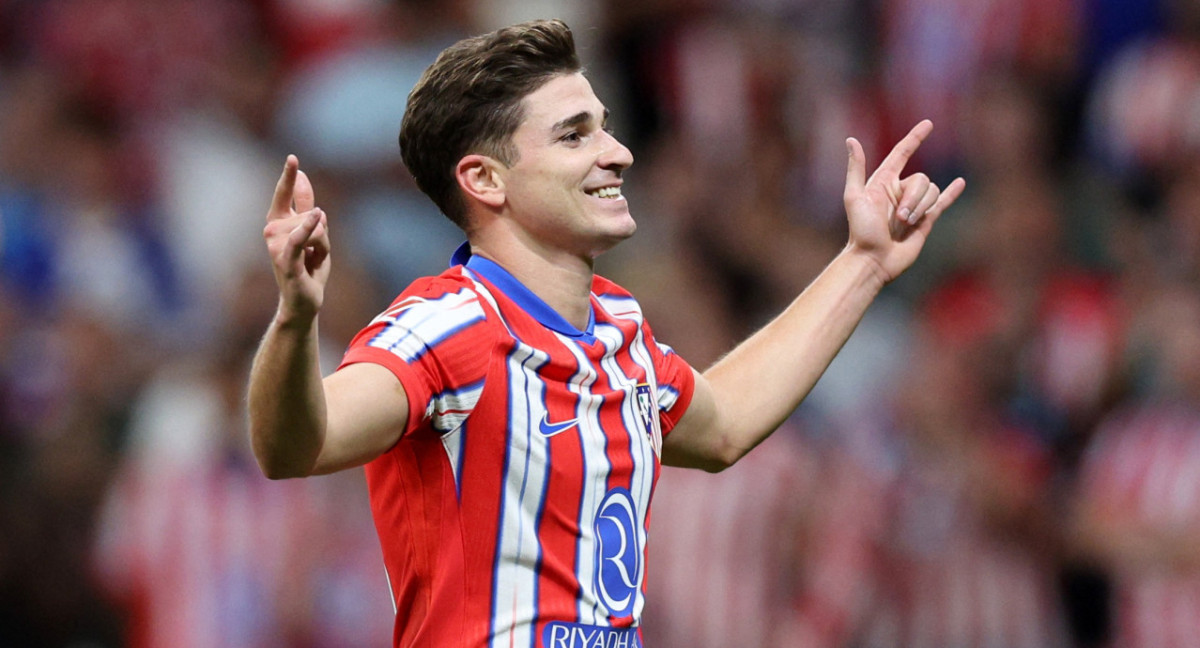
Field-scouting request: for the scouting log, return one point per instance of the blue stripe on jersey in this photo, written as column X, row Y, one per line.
column 458, row 464
column 427, row 345
column 528, row 301
column 425, row 324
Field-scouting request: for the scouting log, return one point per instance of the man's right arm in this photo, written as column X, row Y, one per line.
column 301, row 424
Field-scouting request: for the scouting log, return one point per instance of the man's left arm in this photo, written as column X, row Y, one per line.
column 742, row 398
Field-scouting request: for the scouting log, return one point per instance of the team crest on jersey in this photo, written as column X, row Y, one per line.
column 647, row 411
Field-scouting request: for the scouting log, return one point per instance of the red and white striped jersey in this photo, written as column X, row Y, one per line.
column 514, row 509
column 1143, row 468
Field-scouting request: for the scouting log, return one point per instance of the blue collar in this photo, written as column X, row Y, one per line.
column 522, row 296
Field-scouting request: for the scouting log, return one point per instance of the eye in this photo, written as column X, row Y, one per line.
column 571, row 137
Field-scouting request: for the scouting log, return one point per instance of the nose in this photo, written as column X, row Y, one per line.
column 615, row 156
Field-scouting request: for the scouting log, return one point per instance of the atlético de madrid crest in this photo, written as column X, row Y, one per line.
column 647, row 411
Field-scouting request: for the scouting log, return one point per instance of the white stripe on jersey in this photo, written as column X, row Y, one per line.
column 621, row 306
column 667, row 397
column 448, row 411
column 628, row 308
column 642, row 481
column 595, row 470
column 641, row 356
column 482, row 291
column 417, row 325
column 643, row 472
column 514, row 604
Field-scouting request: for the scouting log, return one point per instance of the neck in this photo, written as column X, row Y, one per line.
column 561, row 280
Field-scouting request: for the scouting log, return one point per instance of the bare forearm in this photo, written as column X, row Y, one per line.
column 287, row 400
column 764, row 379
column 745, row 396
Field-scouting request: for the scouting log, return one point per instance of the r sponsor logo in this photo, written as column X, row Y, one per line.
column 618, row 553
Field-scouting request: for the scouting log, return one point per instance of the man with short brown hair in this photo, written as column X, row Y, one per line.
column 513, row 411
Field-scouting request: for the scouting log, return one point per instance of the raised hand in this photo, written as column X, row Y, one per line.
column 890, row 217
column 297, row 237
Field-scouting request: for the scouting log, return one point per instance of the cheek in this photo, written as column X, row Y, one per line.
column 546, row 186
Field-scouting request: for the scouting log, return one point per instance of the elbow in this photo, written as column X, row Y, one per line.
column 275, row 465
column 720, row 463
column 721, row 456
column 275, row 469
column 713, row 452
column 276, row 472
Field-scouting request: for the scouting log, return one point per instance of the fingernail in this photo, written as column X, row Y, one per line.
column 904, row 214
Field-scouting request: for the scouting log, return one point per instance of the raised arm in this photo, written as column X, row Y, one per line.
column 300, row 424
column 748, row 393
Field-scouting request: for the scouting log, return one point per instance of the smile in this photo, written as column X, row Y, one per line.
column 606, row 192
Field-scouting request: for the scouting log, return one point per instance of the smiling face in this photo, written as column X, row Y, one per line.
column 563, row 193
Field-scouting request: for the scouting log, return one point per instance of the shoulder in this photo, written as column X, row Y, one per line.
column 447, row 293
column 430, row 310
column 616, row 300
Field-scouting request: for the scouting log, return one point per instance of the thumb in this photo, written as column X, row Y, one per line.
column 856, row 166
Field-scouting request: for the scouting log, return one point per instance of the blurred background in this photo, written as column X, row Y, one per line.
column 1006, row 453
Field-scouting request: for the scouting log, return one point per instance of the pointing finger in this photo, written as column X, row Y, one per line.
column 900, row 154
column 281, row 203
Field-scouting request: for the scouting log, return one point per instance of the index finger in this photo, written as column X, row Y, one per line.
column 281, row 204
column 894, row 163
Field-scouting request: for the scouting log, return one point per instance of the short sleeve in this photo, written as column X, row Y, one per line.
column 436, row 339
column 676, row 382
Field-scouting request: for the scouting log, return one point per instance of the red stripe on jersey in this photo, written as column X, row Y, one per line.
column 489, row 523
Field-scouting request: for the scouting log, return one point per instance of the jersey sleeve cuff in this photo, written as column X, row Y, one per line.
column 407, row 376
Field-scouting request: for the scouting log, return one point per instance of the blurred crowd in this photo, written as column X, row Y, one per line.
column 1006, row 453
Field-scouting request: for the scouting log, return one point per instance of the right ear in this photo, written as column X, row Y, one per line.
column 479, row 178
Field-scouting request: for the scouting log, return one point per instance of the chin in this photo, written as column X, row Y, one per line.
column 611, row 241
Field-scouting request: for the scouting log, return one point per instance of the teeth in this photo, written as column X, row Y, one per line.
column 606, row 192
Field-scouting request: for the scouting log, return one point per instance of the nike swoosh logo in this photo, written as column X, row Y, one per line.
column 550, row 429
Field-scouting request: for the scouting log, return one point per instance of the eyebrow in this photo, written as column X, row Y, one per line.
column 577, row 119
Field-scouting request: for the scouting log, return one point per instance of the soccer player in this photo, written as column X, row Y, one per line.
column 513, row 411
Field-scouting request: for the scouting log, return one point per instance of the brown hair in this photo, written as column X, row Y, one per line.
column 470, row 101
